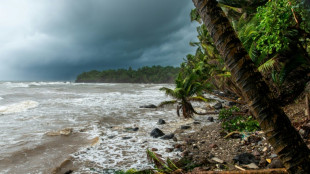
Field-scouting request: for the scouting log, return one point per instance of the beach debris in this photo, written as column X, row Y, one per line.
column 66, row 132
column 155, row 133
column 217, row 160
column 95, row 141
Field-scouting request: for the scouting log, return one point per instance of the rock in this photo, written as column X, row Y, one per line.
column 251, row 166
column 276, row 163
column 154, row 149
column 196, row 122
column 213, row 146
column 175, row 139
column 167, row 137
column 185, row 127
column 217, row 160
column 126, row 138
column 69, row 172
column 131, row 129
column 148, row 106
column 177, row 146
column 156, row 133
column 161, row 121
column 231, row 103
column 244, row 158
column 169, row 150
column 211, row 119
column 265, row 149
column 218, row 106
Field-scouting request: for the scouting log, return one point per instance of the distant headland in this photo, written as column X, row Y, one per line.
column 154, row 74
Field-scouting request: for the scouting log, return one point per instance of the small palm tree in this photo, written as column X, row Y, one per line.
column 186, row 90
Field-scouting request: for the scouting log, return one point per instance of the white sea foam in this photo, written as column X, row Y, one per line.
column 18, row 107
column 16, row 85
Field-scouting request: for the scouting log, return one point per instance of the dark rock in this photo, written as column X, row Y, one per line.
column 161, row 121
column 154, row 149
column 156, row 133
column 126, row 138
column 196, row 122
column 169, row 150
column 245, row 158
column 175, row 139
column 185, row 127
column 68, row 172
column 148, row 106
column 231, row 103
column 167, row 137
column 276, row 163
column 110, row 137
column 211, row 119
column 218, row 106
column 131, row 129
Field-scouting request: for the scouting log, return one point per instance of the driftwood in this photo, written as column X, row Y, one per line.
column 264, row 171
column 209, row 113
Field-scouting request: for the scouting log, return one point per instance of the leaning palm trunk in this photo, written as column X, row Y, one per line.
column 284, row 138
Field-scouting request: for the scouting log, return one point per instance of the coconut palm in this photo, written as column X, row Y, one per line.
column 187, row 88
column 278, row 129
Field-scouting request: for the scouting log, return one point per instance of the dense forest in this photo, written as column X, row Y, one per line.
column 154, row 74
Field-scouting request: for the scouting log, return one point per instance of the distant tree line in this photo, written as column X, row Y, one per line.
column 154, row 74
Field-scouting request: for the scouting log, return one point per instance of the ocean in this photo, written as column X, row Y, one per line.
column 34, row 118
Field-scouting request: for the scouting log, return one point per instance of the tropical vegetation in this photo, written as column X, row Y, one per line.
column 154, row 74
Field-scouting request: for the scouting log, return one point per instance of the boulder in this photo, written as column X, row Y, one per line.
column 245, row 158
column 155, row 133
column 135, row 129
column 148, row 106
column 231, row 103
column 167, row 137
column 218, row 106
column 185, row 127
column 161, row 121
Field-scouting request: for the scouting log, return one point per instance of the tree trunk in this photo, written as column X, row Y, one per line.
column 278, row 129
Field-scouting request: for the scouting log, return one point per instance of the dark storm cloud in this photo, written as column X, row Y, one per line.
column 65, row 37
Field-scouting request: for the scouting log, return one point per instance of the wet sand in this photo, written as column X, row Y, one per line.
column 46, row 157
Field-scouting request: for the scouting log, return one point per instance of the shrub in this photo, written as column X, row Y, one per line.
column 232, row 122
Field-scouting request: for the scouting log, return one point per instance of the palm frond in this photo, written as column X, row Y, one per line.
column 165, row 103
column 201, row 99
column 268, row 65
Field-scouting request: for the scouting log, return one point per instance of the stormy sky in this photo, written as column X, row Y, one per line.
column 58, row 39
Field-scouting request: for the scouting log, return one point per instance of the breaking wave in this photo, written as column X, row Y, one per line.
column 18, row 107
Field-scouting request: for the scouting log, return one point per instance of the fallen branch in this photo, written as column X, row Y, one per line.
column 231, row 133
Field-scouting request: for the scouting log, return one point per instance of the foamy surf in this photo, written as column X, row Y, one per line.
column 18, row 107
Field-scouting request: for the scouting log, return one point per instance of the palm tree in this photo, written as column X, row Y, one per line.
column 278, row 129
column 187, row 88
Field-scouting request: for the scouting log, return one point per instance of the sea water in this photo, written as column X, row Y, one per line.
column 30, row 110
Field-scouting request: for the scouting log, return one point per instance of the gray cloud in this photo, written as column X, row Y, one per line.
column 58, row 39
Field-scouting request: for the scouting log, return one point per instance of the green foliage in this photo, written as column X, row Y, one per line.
column 154, row 74
column 231, row 122
column 275, row 19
